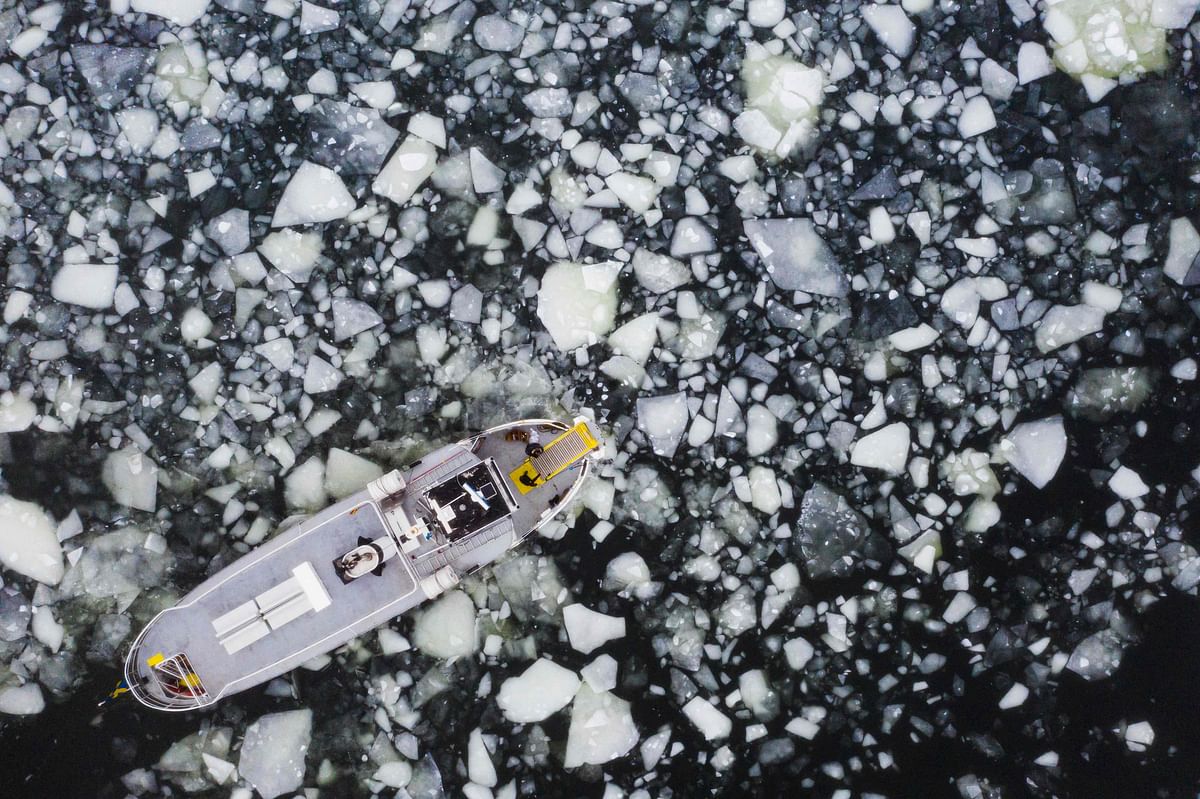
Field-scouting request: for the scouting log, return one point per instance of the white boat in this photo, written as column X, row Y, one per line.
column 403, row 540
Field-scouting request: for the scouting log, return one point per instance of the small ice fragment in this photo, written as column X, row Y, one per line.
column 976, row 118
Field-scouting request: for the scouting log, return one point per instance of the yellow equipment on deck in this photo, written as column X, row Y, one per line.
column 561, row 453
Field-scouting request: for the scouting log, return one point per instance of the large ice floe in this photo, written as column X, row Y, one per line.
column 887, row 311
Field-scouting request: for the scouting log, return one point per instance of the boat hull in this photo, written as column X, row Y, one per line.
column 354, row 566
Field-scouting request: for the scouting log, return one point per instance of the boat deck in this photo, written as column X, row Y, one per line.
column 194, row 626
column 286, row 602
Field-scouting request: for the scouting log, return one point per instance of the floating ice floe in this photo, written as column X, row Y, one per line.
column 712, row 723
column 23, row 700
column 796, row 257
column 885, row 449
column 543, row 689
column 1036, row 449
column 273, row 751
column 1102, row 41
column 28, row 543
column 409, row 167
column 575, row 311
column 86, row 285
column 181, row 12
column 601, row 730
column 589, row 630
column 664, row 420
column 783, row 102
column 131, row 476
column 314, row 194
column 446, row 629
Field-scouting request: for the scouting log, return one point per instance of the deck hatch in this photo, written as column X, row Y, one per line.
column 272, row 609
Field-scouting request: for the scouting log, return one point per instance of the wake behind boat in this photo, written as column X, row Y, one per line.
column 406, row 538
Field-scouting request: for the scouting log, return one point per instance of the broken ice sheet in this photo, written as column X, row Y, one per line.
column 796, row 257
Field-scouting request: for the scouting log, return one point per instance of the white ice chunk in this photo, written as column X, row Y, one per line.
column 798, row 652
column 764, row 490
column 16, row 412
column 893, row 27
column 447, row 628
column 351, row 317
column 588, row 629
column 762, row 431
column 885, row 449
column 321, row 376
column 1172, row 15
column 181, row 12
column 346, row 473
column 314, row 194
column 194, row 325
column 783, row 102
column 537, row 693
column 486, row 177
column 395, row 774
column 480, row 769
column 317, row 19
column 1036, row 449
column 1183, row 252
column 1014, row 697
column 1066, row 324
column 23, row 700
column 304, row 487
column 664, row 419
column 28, row 542
column 659, row 273
column 1033, row 63
column 1128, row 484
column 636, row 338
column 977, row 117
column 1139, row 736
column 411, row 165
column 575, row 314
column 601, row 673
column 602, row 729
column 765, row 13
column 131, row 477
column 636, row 192
column 272, row 758
column 88, row 285
column 293, row 253
column 140, row 128
column 712, row 723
